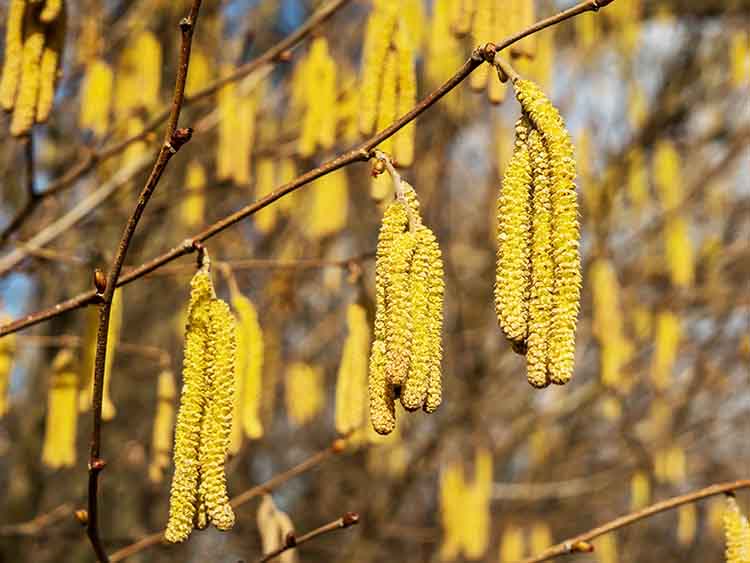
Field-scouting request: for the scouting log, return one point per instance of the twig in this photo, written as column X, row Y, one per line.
column 580, row 542
column 32, row 197
column 94, row 158
column 243, row 498
column 174, row 138
column 347, row 520
column 37, row 524
column 361, row 153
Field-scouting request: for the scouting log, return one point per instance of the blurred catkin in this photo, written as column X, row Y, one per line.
column 58, row 449
column 351, row 382
column 668, row 333
column 161, row 435
column 96, row 97
column 305, row 393
column 193, row 201
column 318, row 75
column 512, row 544
column 7, row 353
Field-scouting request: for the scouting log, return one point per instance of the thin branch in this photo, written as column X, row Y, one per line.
column 580, row 543
column 32, row 197
column 243, row 498
column 360, row 153
column 37, row 524
column 174, row 138
column 347, row 520
column 94, row 158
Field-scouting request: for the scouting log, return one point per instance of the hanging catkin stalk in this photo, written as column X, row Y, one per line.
column 407, row 350
column 199, row 496
column 538, row 278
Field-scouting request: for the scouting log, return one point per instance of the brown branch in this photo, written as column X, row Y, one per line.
column 347, row 520
column 37, row 524
column 32, row 197
column 360, row 153
column 174, row 138
column 94, row 158
column 243, row 498
column 580, row 542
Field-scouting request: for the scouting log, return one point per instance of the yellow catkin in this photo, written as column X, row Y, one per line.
column 184, row 491
column 13, row 61
column 540, row 537
column 287, row 173
column 668, row 333
column 96, row 97
column 476, row 521
column 319, row 122
column 543, row 64
column 587, row 31
column 739, row 57
column 451, row 510
column 265, row 182
column 608, row 323
column 304, row 393
column 381, row 26
column 7, row 352
column 481, row 33
column 513, row 241
column 161, row 435
column 329, row 205
column 413, row 18
column 193, row 204
column 199, row 71
column 736, row 533
column 675, row 465
column 24, row 109
column 243, row 138
column 640, row 490
column 61, row 417
column 351, row 382
column 526, row 16
column 403, row 140
column 147, row 49
column 387, row 103
column 382, row 400
column 216, row 425
column 89, row 356
column 226, row 103
column 443, row 53
column 605, row 548
column 249, row 368
column 667, row 174
column 715, row 516
column 637, row 106
column 51, row 10
column 686, row 524
column 680, row 255
column 565, row 229
column 50, row 63
column 512, row 545
column 542, row 265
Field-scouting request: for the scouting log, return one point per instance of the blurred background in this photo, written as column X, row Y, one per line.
column 655, row 95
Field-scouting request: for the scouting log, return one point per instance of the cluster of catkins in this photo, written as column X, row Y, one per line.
column 537, row 287
column 204, row 421
column 406, row 350
column 34, row 38
column 736, row 533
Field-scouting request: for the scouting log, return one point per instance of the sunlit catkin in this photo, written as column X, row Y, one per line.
column 476, row 520
column 679, row 250
column 328, row 209
column 161, row 435
column 686, row 524
column 51, row 58
column 193, row 204
column 351, row 382
column 7, row 352
column 147, row 49
column 640, row 490
column 668, row 333
column 513, row 273
column 61, row 416
column 739, row 57
column 24, row 109
column 451, row 510
column 736, row 533
column 319, row 99
column 305, row 395
column 512, row 545
column 388, row 101
column 565, row 231
column 605, row 548
column 540, row 537
column 403, row 140
column 13, row 56
column 96, row 97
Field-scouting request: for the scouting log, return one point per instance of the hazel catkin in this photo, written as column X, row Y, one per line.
column 736, row 533
column 161, row 435
column 60, row 421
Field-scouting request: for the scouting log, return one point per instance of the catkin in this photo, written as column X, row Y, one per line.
column 476, row 521
column 147, row 51
column 403, row 139
column 739, row 57
column 13, row 62
column 736, row 533
column 512, row 545
column 668, row 333
column 387, row 105
column 265, row 182
column 329, row 205
column 202, row 434
column 60, row 424
column 606, row 548
column 51, row 57
column 304, row 393
column 640, row 490
column 540, row 537
column 686, row 524
column 7, row 352
column 351, row 382
column 161, row 435
column 96, row 97
column 451, row 510
column 193, row 204
column 318, row 99
column 443, row 52
column 24, row 108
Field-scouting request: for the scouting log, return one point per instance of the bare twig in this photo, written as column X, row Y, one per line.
column 174, row 138
column 580, row 542
column 360, row 153
column 32, row 197
column 39, row 523
column 243, row 498
column 347, row 520
column 94, row 158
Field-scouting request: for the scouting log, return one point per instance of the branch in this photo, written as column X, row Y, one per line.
column 174, row 138
column 243, row 498
column 360, row 153
column 94, row 158
column 32, row 197
column 347, row 520
column 580, row 543
column 37, row 524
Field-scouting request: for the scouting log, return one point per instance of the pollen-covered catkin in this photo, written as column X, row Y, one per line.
column 13, row 61
column 161, row 435
column 513, row 240
column 565, row 230
column 60, row 424
column 51, row 58
column 329, row 206
column 24, row 108
column 399, row 320
column 319, row 99
column 351, row 383
column 736, row 533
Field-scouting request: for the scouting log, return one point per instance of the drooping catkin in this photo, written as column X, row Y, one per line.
column 318, row 75
column 477, row 518
column 274, row 527
column 249, row 369
column 161, row 435
column 13, row 61
column 7, row 352
column 739, row 57
column 451, row 510
column 199, row 72
column 226, row 103
column 24, row 108
column 265, row 182
column 512, row 544
column 443, row 55
column 96, row 97
column 540, row 537
column 686, row 524
column 606, row 549
column 328, row 209
column 514, row 239
column 565, row 230
column 351, row 382
column 51, row 57
column 403, row 140
column 387, row 103
column 304, row 392
column 193, row 204
column 736, row 533
column 146, row 48
column 198, row 495
column 640, row 490
column 668, row 333
column 61, row 416
column 679, row 251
